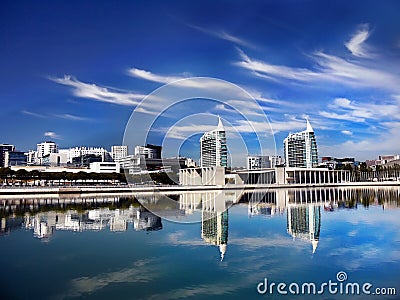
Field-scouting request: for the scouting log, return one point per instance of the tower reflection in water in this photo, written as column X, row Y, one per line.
column 214, row 215
column 302, row 207
column 304, row 222
column 214, row 229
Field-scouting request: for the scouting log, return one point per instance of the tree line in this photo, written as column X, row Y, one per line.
column 35, row 177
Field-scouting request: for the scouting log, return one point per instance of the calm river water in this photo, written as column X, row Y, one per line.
column 112, row 247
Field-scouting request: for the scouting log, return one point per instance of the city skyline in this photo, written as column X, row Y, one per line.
column 73, row 72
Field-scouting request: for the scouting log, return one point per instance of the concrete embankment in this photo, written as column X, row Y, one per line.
column 80, row 190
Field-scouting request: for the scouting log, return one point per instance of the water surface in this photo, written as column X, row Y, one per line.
column 114, row 248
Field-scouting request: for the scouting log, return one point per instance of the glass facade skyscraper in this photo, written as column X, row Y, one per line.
column 213, row 149
column 301, row 149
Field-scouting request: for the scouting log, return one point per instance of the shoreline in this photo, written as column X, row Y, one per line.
column 82, row 190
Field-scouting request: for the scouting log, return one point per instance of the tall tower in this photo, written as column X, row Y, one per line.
column 301, row 149
column 213, row 150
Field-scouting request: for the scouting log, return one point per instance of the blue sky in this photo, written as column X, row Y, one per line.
column 74, row 71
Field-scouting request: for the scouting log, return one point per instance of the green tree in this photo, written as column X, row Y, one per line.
column 22, row 175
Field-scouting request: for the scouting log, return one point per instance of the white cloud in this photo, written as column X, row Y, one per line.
column 244, row 105
column 386, row 142
column 345, row 109
column 33, row 114
column 345, row 116
column 224, row 36
column 72, row 117
column 147, row 75
column 356, row 45
column 183, row 131
column 328, row 68
column 52, row 134
column 95, row 92
column 60, row 116
column 347, row 132
column 213, row 85
column 142, row 271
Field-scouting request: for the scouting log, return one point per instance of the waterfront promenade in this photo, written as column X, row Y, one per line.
column 7, row 192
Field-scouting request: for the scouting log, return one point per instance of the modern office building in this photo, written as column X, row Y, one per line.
column 3, row 149
column 15, row 158
column 149, row 151
column 301, row 149
column 213, row 149
column 118, row 152
column 46, row 148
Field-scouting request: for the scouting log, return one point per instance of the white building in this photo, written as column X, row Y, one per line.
column 81, row 151
column 131, row 163
column 384, row 159
column 190, row 162
column 301, row 149
column 255, row 162
column 32, row 157
column 148, row 151
column 46, row 148
column 202, row 176
column 104, row 167
column 55, row 159
column 118, row 152
column 275, row 160
column 213, row 149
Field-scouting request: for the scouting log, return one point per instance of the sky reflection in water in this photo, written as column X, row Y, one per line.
column 118, row 249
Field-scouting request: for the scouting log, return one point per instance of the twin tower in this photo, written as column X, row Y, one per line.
column 300, row 148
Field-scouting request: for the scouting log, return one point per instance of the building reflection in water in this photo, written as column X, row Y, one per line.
column 302, row 207
column 214, row 214
column 304, row 222
column 214, row 229
column 46, row 223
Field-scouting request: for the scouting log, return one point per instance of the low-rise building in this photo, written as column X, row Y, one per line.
column 55, row 160
column 104, row 167
column 256, row 162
